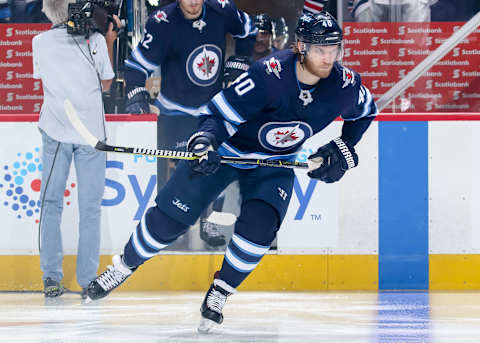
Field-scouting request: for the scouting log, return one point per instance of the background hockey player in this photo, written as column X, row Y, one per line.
column 259, row 43
column 280, row 33
column 267, row 113
column 186, row 40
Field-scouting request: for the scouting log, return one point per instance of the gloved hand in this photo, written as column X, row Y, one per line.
column 137, row 101
column 204, row 145
column 332, row 160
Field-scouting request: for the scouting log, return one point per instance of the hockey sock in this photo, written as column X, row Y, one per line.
column 155, row 231
column 254, row 232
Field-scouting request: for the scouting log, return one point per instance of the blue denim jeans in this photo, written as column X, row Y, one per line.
column 90, row 169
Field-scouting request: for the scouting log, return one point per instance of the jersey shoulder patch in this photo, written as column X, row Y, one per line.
column 160, row 16
column 273, row 66
column 223, row 3
column 220, row 5
column 163, row 15
column 348, row 77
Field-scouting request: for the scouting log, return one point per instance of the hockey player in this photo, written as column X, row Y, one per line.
column 267, row 113
column 187, row 40
column 209, row 232
column 280, row 32
column 259, row 43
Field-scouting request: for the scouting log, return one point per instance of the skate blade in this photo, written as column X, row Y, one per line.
column 205, row 325
column 87, row 300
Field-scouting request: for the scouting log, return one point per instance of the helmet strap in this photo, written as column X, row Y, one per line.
column 302, row 51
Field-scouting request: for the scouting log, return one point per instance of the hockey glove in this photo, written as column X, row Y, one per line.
column 204, row 145
column 332, row 160
column 137, row 101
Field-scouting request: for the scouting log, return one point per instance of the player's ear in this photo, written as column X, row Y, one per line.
column 302, row 50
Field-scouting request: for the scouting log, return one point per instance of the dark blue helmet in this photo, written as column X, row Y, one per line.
column 264, row 22
column 320, row 28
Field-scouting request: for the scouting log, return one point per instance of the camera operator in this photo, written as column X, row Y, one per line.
column 72, row 67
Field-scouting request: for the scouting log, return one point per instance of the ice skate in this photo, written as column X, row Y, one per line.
column 110, row 279
column 212, row 305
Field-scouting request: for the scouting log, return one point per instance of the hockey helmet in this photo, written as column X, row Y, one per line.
column 280, row 27
column 264, row 22
column 280, row 32
column 320, row 28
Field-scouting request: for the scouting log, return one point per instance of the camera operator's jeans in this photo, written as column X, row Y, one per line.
column 90, row 170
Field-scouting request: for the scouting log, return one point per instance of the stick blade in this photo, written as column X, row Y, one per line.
column 77, row 123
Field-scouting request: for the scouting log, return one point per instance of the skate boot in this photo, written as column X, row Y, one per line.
column 110, row 279
column 210, row 234
column 213, row 303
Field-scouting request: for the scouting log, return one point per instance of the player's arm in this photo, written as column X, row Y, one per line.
column 239, row 23
column 242, row 101
column 143, row 61
column 332, row 160
column 359, row 115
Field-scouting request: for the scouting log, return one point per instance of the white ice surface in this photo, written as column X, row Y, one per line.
column 250, row 317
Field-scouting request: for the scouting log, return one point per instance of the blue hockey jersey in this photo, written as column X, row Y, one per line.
column 262, row 114
column 190, row 53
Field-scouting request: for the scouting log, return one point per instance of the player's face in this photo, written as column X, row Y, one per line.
column 191, row 8
column 262, row 42
column 320, row 59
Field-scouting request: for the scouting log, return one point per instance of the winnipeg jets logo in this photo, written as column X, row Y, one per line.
column 203, row 65
column 206, row 64
column 223, row 2
column 199, row 24
column 161, row 16
column 273, row 66
column 348, row 77
column 283, row 137
column 306, row 18
column 278, row 136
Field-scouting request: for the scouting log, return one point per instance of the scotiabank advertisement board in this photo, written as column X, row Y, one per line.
column 19, row 91
column 383, row 53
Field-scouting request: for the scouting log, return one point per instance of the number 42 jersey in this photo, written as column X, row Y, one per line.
column 265, row 113
column 189, row 53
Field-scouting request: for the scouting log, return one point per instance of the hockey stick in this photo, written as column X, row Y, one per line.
column 160, row 153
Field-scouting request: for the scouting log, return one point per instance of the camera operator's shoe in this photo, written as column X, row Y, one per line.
column 110, row 279
column 213, row 303
column 210, row 234
column 52, row 288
